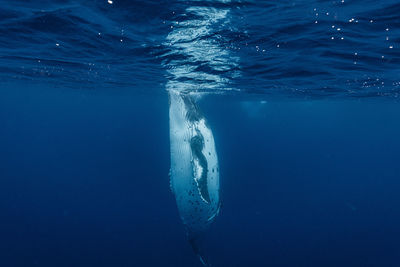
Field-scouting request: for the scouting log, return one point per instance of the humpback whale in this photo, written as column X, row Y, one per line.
column 194, row 166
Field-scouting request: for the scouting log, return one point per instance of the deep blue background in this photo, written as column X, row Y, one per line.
column 84, row 181
column 308, row 139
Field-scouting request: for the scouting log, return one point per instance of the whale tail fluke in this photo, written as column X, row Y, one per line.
column 195, row 243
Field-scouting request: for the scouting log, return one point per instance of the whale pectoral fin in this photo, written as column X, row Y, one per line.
column 200, row 166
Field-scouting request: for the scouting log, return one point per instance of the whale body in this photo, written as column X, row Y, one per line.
column 194, row 174
column 194, row 164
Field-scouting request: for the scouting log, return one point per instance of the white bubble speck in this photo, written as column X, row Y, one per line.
column 110, row 2
column 57, row 44
column 391, row 46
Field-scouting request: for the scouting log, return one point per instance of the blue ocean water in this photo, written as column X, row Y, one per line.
column 301, row 97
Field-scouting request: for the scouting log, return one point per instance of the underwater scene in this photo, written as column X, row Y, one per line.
column 199, row 133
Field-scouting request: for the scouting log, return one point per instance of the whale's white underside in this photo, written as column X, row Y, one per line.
column 194, row 164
